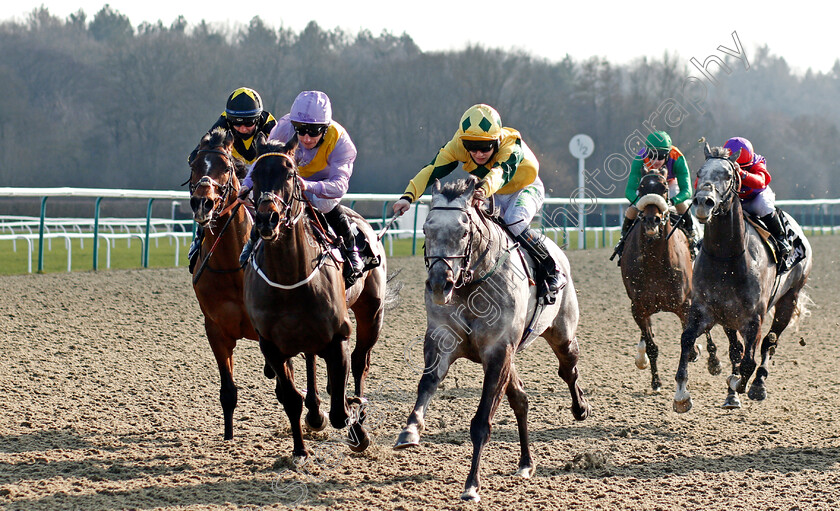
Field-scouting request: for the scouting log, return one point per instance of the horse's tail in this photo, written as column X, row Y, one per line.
column 392, row 291
column 802, row 309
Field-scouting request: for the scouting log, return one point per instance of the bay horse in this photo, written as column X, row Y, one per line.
column 478, row 306
column 736, row 282
column 656, row 269
column 297, row 302
column 214, row 184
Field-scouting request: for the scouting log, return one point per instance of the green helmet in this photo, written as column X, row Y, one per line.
column 658, row 140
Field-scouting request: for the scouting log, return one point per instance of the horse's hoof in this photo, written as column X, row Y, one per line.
column 583, row 412
column 682, row 406
column 732, row 402
column 357, row 438
column 734, row 381
column 642, row 360
column 299, row 460
column 655, row 385
column 408, row 438
column 714, row 367
column 268, row 371
column 313, row 423
column 470, row 495
column 757, row 393
column 526, row 472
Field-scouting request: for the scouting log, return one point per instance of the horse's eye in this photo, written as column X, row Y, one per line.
column 465, row 234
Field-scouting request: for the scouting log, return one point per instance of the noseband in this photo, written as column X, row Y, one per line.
column 224, row 190
column 464, row 275
column 731, row 190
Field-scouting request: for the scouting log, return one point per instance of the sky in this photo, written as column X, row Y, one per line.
column 620, row 31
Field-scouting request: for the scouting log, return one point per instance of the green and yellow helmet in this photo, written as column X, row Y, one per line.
column 480, row 122
column 658, row 140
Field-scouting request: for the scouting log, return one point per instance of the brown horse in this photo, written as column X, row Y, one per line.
column 737, row 281
column 214, row 183
column 295, row 297
column 656, row 270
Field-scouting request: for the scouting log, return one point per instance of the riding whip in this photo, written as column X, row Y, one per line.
column 387, row 226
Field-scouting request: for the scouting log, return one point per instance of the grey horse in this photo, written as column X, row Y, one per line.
column 736, row 282
column 479, row 303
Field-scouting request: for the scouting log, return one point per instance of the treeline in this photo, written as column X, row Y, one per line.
column 97, row 102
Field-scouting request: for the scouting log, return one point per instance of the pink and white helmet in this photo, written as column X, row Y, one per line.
column 311, row 107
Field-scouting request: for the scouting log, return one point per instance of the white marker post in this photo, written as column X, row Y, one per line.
column 581, row 146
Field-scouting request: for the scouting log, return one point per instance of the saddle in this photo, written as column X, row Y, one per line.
column 332, row 242
column 798, row 252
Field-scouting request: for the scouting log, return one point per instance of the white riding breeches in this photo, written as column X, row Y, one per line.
column 518, row 208
column 762, row 204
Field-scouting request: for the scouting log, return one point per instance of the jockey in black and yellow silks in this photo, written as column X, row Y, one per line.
column 497, row 154
column 245, row 117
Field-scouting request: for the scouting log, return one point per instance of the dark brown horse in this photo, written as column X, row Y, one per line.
column 295, row 297
column 214, row 183
column 656, row 270
column 736, row 282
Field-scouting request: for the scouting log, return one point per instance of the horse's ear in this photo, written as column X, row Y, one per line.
column 707, row 151
column 291, row 146
column 259, row 142
column 470, row 188
column 228, row 139
column 436, row 187
column 734, row 157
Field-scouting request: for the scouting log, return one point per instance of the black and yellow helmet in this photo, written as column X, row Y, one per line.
column 480, row 122
column 243, row 105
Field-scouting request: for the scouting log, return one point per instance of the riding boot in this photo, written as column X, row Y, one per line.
column 687, row 226
column 553, row 280
column 195, row 247
column 353, row 264
column 249, row 246
column 774, row 225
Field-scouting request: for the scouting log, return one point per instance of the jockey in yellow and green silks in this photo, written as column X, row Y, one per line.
column 497, row 154
column 659, row 153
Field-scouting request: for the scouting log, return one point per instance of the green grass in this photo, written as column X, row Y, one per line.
column 122, row 256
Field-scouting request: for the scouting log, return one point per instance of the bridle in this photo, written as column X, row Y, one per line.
column 731, row 189
column 281, row 203
column 224, row 190
column 663, row 220
column 466, row 271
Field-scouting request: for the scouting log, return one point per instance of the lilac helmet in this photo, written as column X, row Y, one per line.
column 736, row 144
column 311, row 107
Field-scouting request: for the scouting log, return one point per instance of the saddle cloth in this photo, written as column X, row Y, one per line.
column 798, row 252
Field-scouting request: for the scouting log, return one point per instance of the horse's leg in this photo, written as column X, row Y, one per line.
column 518, row 400
column 338, row 368
column 751, row 335
column 369, row 312
column 736, row 351
column 315, row 419
column 497, row 371
column 714, row 362
column 567, row 352
column 697, row 323
column 437, row 363
column 781, row 317
column 287, row 394
column 222, row 346
column 648, row 351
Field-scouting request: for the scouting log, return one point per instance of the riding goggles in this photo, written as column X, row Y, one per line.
column 313, row 130
column 479, row 146
column 658, row 154
column 239, row 121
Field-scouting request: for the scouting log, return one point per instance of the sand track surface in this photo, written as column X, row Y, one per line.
column 110, row 400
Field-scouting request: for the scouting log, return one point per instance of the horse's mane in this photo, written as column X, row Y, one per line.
column 455, row 189
column 217, row 139
column 719, row 152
